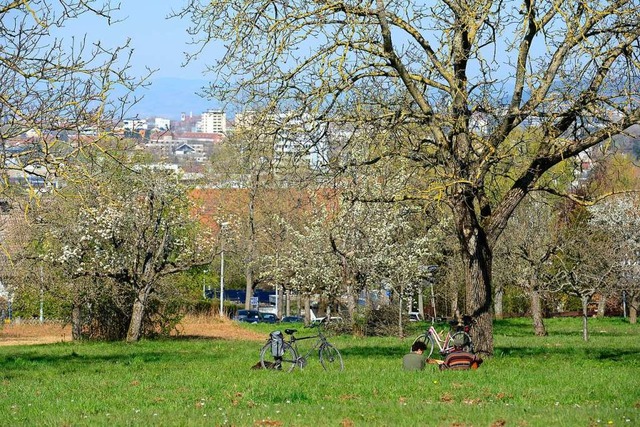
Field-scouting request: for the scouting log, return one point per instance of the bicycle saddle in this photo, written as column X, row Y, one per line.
column 290, row 331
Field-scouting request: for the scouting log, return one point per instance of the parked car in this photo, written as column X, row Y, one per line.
column 414, row 316
column 249, row 316
column 325, row 320
column 269, row 318
column 292, row 319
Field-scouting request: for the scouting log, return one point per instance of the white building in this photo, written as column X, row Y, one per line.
column 213, row 121
column 298, row 139
column 162, row 124
column 135, row 124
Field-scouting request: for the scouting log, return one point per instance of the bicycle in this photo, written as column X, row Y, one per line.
column 460, row 339
column 282, row 354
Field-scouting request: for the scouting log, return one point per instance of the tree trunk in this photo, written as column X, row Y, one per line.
column 453, row 308
column 585, row 317
column 498, row 302
column 280, row 300
column 137, row 315
column 288, row 304
column 477, row 257
column 633, row 309
column 251, row 250
column 352, row 302
column 248, row 275
column 602, row 305
column 307, row 310
column 400, row 332
column 76, row 322
column 536, row 313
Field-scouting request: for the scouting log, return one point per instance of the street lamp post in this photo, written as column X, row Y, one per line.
column 41, row 294
column 222, row 226
column 204, row 284
column 431, row 269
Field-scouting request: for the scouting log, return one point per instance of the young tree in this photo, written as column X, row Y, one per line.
column 12, row 238
column 359, row 247
column 448, row 83
column 524, row 256
column 255, row 191
column 299, row 260
column 400, row 258
column 134, row 226
column 618, row 217
column 586, row 262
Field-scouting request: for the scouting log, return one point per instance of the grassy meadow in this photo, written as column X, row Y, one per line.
column 557, row 380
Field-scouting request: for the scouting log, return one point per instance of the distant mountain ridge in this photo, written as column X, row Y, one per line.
column 169, row 97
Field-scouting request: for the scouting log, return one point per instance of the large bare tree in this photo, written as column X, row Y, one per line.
column 444, row 83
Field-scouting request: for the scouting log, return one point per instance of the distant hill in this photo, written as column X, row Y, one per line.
column 169, row 97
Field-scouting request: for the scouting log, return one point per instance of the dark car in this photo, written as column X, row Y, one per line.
column 292, row 319
column 249, row 316
column 269, row 318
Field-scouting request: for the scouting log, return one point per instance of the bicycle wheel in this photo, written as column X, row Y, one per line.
column 330, row 358
column 428, row 340
column 286, row 362
column 461, row 340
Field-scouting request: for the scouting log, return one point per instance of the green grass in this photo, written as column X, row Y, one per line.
column 557, row 380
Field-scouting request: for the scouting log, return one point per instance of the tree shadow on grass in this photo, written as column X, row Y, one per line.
column 66, row 359
column 627, row 355
column 395, row 351
column 522, row 327
column 602, row 354
column 512, row 328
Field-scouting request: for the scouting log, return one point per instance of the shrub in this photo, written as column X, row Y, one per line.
column 382, row 321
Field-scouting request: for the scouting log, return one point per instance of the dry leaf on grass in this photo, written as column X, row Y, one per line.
column 268, row 423
column 446, row 398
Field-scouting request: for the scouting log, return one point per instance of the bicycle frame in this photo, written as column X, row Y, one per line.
column 442, row 343
column 293, row 340
column 445, row 345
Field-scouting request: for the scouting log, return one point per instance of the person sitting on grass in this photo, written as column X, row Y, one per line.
column 415, row 361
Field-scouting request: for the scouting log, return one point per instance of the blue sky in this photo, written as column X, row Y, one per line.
column 159, row 44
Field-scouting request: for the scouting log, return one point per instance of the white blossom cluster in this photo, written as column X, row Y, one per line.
column 375, row 247
column 137, row 235
column 620, row 217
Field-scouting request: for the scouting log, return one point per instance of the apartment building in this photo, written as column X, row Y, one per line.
column 213, row 121
column 295, row 138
